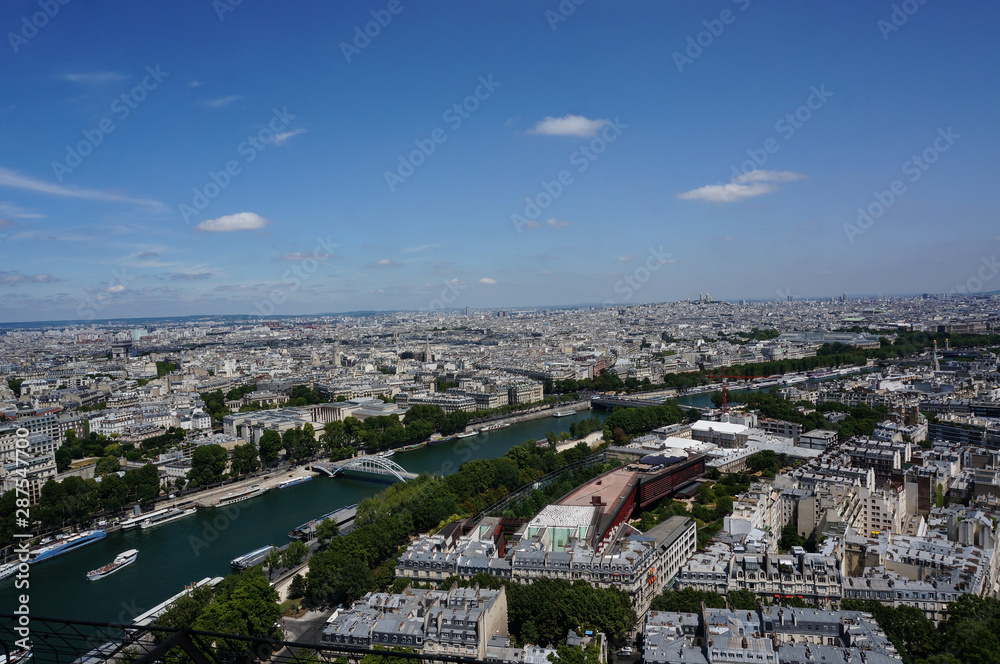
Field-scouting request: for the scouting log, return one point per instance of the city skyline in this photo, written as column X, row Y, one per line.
column 456, row 311
column 393, row 156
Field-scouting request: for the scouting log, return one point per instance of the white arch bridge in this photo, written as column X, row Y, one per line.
column 373, row 464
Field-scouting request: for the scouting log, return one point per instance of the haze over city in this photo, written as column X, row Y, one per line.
column 237, row 158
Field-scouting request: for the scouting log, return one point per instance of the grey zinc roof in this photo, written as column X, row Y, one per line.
column 394, row 626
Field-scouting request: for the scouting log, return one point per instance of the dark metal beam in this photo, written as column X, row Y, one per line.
column 180, row 639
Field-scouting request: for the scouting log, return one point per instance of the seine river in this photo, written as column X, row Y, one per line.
column 179, row 553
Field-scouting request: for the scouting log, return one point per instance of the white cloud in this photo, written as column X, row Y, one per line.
column 39, row 236
column 95, row 77
column 748, row 185
column 282, row 138
column 726, row 193
column 147, row 256
column 297, row 256
column 487, row 281
column 117, row 288
column 382, row 262
column 418, row 249
column 196, row 84
column 569, row 125
column 555, row 223
column 769, row 176
column 11, row 211
column 244, row 221
column 221, row 102
column 9, row 178
column 627, row 258
column 16, row 278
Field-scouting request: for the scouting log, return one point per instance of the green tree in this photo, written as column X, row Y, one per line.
column 763, row 461
column 245, row 459
column 143, row 484
column 309, row 443
column 297, row 588
column 704, row 495
column 916, row 639
column 333, row 436
column 113, row 492
column 290, row 441
column 185, row 610
column 273, row 561
column 63, row 458
column 294, row 554
column 327, row 530
column 337, row 580
column 163, row 368
column 15, row 385
column 544, row 611
column 387, row 658
column 576, row 655
column 208, row 464
column 269, row 447
column 106, row 465
column 245, row 604
column 743, row 600
column 790, row 537
column 687, row 601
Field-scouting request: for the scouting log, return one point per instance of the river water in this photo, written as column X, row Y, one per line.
column 203, row 545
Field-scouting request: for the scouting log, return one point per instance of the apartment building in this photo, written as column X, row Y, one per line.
column 28, row 474
column 638, row 563
column 756, row 513
column 792, row 430
column 460, row 622
column 818, row 439
column 931, row 597
column 524, row 392
column 771, row 635
column 53, row 424
column 810, row 576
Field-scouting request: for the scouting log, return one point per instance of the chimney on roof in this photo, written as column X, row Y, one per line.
column 596, row 501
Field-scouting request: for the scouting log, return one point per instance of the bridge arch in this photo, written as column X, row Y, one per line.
column 376, row 464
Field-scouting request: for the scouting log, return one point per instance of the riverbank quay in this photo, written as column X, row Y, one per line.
column 591, row 440
column 528, row 415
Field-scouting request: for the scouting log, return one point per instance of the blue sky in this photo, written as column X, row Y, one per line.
column 600, row 155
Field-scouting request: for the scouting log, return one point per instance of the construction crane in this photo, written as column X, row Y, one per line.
column 725, row 392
